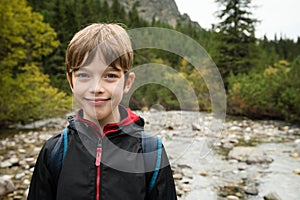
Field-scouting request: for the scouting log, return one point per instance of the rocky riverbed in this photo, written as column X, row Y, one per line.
column 211, row 159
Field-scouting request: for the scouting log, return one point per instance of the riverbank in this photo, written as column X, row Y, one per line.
column 240, row 159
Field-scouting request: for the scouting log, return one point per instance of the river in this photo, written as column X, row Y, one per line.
column 240, row 159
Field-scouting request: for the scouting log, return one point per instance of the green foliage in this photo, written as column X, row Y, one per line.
column 164, row 86
column 29, row 96
column 272, row 93
column 25, row 39
column 197, row 83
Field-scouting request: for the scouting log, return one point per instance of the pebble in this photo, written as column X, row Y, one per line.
column 251, row 190
column 296, row 171
column 295, row 155
column 186, row 189
column 19, row 175
column 241, row 166
column 14, row 160
column 21, row 151
column 272, row 196
column 232, row 197
column 5, row 164
column 196, row 127
column 177, row 176
column 6, row 185
column 202, row 172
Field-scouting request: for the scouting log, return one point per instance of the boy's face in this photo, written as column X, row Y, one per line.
column 98, row 89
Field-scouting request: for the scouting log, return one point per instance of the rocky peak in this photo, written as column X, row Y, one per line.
column 161, row 10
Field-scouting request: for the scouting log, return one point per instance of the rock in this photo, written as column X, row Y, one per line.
column 227, row 145
column 14, row 160
column 272, row 196
column 235, row 128
column 250, row 155
column 177, row 176
column 196, row 127
column 186, row 189
column 18, row 197
column 296, row 171
column 163, row 11
column 285, row 128
column 295, row 155
column 241, row 166
column 26, row 182
column 185, row 181
column 202, row 173
column 248, row 129
column 232, row 197
column 184, row 166
column 21, row 150
column 251, row 190
column 19, row 175
column 5, row 164
column 6, row 185
column 30, row 161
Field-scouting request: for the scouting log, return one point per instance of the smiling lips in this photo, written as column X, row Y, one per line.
column 97, row 101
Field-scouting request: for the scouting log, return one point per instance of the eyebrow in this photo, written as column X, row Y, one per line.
column 114, row 68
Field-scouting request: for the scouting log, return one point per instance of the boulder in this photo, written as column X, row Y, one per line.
column 6, row 185
column 250, row 155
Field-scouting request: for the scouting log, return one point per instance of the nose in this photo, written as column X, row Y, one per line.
column 98, row 86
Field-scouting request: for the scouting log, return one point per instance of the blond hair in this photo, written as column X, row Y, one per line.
column 111, row 40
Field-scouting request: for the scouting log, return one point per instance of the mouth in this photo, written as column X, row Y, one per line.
column 98, row 101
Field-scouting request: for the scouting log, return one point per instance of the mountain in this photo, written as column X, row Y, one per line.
column 161, row 10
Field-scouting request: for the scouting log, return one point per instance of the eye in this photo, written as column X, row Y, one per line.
column 82, row 75
column 111, row 75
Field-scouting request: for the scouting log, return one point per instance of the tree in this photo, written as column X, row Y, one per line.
column 236, row 37
column 24, row 37
column 25, row 92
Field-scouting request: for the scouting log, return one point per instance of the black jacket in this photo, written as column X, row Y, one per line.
column 120, row 174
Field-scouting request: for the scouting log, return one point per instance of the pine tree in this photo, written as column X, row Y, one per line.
column 235, row 36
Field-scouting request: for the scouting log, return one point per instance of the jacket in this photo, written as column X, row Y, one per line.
column 107, row 166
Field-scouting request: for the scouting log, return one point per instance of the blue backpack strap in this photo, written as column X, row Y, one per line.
column 58, row 154
column 152, row 160
column 65, row 137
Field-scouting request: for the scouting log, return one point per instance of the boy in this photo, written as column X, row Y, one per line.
column 104, row 158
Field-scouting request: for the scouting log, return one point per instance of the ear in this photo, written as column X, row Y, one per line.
column 69, row 78
column 129, row 82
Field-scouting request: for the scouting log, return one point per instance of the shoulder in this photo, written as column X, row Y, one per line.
column 50, row 144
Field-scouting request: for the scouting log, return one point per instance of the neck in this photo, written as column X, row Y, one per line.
column 114, row 117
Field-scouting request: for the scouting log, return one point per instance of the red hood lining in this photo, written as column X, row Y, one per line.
column 111, row 128
column 131, row 118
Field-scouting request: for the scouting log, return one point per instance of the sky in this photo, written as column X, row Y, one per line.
column 277, row 16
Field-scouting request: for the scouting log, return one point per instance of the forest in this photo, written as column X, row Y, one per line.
column 261, row 75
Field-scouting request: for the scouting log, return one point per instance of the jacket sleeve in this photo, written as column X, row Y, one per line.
column 42, row 185
column 164, row 188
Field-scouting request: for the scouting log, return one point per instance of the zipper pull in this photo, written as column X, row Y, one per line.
column 99, row 153
column 98, row 156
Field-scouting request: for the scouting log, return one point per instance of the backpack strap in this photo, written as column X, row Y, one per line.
column 58, row 154
column 152, row 149
column 65, row 137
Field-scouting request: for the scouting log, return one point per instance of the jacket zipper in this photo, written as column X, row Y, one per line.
column 97, row 163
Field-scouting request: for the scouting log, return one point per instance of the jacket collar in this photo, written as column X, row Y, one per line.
column 128, row 118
